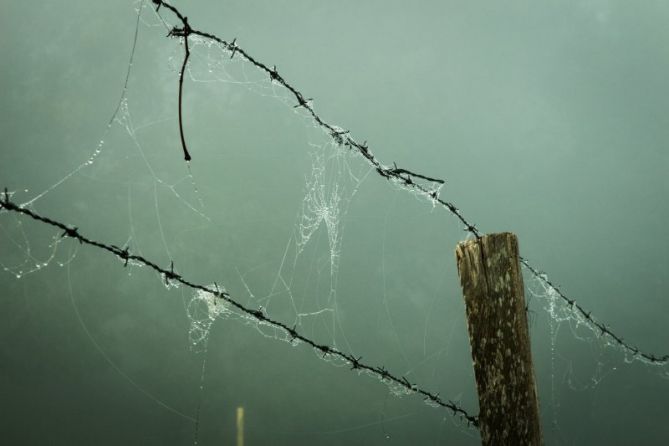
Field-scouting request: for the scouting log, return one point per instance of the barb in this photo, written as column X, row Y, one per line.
column 404, row 177
column 168, row 274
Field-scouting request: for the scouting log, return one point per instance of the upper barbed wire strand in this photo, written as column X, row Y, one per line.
column 403, row 176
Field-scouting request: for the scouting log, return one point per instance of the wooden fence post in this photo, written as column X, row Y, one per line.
column 492, row 285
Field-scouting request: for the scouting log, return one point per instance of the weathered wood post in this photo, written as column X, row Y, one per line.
column 492, row 285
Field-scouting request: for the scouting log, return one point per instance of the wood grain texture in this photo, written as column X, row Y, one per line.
column 493, row 290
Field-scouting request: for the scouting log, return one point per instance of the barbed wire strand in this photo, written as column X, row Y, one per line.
column 404, row 176
column 169, row 274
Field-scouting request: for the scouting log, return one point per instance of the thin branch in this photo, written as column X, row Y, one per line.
column 184, row 33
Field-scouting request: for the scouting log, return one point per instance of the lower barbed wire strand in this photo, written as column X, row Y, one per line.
column 170, row 275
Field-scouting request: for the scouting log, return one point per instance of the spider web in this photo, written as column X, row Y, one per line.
column 210, row 220
column 288, row 222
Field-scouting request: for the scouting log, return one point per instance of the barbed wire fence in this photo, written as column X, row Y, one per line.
column 405, row 177
column 426, row 186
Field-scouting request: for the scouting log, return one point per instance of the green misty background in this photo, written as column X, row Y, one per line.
column 546, row 119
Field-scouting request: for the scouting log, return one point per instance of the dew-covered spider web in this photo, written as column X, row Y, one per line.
column 328, row 211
